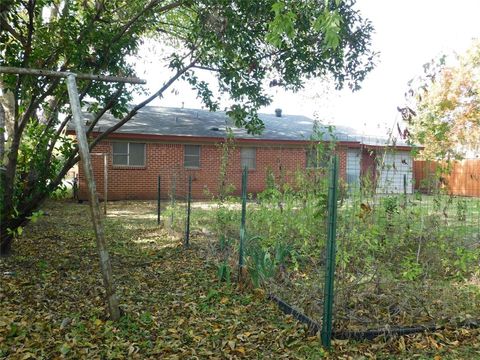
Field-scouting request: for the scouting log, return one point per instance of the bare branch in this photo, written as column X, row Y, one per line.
column 134, row 111
column 111, row 102
column 205, row 68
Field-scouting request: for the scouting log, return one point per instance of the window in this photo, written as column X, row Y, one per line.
column 315, row 160
column 128, row 154
column 191, row 157
column 248, row 158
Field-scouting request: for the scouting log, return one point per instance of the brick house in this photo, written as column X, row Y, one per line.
column 177, row 143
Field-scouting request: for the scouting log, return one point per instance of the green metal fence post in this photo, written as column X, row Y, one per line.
column 158, row 202
column 326, row 333
column 242, row 224
column 189, row 199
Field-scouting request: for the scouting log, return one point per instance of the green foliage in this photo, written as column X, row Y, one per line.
column 444, row 105
column 261, row 265
column 411, row 269
column 461, row 210
column 35, row 216
column 282, row 28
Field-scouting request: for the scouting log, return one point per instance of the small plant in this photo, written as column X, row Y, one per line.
column 224, row 272
column 35, row 216
column 411, row 268
column 261, row 265
column 43, row 268
column 390, row 204
column 461, row 210
column 61, row 192
column 226, row 147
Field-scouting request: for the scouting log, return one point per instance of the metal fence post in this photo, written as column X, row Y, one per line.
column 187, row 226
column 326, row 333
column 158, row 201
column 242, row 224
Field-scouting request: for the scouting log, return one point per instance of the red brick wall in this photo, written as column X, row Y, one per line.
column 166, row 160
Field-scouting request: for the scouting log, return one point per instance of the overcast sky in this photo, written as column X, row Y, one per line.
column 408, row 34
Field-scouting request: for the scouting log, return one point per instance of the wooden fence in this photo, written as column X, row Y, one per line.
column 456, row 178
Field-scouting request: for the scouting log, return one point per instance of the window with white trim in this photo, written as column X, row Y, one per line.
column 248, row 158
column 128, row 154
column 191, row 157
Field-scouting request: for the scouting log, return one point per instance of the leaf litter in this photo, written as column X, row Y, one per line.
column 52, row 301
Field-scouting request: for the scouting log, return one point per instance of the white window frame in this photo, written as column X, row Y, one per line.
column 243, row 158
column 199, row 156
column 128, row 154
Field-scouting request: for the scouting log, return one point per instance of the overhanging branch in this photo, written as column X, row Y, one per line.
column 134, row 111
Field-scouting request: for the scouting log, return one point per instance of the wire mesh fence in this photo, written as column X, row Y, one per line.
column 406, row 257
column 408, row 236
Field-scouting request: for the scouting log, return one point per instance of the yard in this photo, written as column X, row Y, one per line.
column 174, row 305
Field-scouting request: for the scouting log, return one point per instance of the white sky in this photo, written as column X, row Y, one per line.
column 408, row 34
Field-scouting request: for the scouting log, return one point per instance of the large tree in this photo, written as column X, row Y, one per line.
column 246, row 44
column 443, row 113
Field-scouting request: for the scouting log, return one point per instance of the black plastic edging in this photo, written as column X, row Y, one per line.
column 314, row 327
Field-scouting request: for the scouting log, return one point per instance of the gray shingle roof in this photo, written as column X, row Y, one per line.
column 154, row 120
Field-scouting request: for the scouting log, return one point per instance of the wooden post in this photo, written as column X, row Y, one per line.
column 64, row 74
column 105, row 182
column 105, row 266
column 158, row 199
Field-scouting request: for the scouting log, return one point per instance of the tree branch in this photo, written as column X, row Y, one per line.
column 111, row 102
column 208, row 68
column 147, row 8
column 26, row 55
column 134, row 111
column 16, row 35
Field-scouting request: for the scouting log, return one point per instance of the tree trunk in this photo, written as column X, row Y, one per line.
column 2, row 134
column 5, row 244
column 6, row 237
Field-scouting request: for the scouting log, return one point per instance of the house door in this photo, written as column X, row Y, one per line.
column 353, row 168
column 395, row 173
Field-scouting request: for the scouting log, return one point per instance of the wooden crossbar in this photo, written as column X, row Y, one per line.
column 64, row 74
